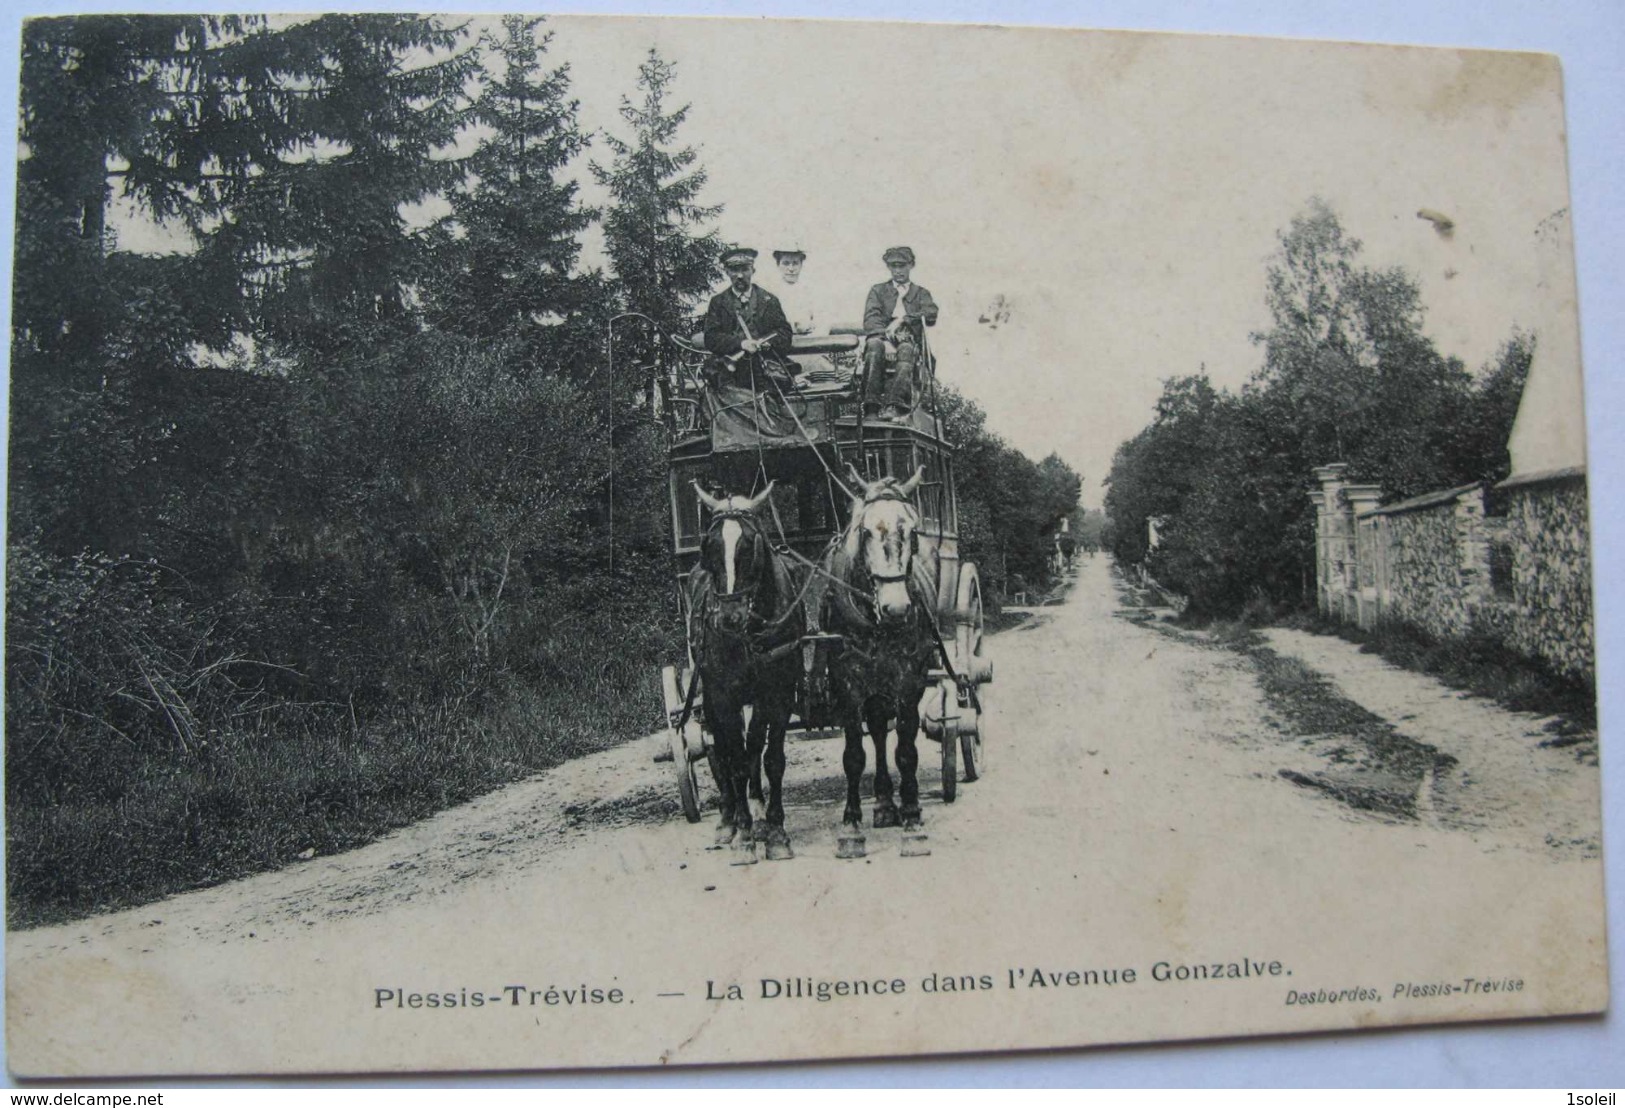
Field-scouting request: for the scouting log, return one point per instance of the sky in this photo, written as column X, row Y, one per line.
column 1122, row 192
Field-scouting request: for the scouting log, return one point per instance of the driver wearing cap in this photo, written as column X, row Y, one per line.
column 744, row 323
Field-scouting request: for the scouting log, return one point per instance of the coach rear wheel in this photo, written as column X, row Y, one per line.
column 975, row 668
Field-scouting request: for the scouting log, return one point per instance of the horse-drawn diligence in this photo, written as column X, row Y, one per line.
column 820, row 583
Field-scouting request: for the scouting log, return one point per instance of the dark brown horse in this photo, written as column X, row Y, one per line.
column 745, row 626
column 879, row 605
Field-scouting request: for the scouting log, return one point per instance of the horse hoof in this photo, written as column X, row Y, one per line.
column 886, row 816
column 778, row 849
column 915, row 845
column 912, row 822
column 725, row 836
column 758, row 832
column 849, row 843
column 744, row 854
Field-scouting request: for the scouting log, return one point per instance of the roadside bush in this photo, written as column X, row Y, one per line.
column 97, row 820
column 411, row 606
column 108, row 665
column 1348, row 375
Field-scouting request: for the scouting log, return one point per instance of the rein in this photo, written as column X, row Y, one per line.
column 807, row 437
column 918, row 593
column 757, row 641
column 817, row 568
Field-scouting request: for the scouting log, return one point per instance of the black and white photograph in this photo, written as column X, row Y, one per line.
column 565, row 541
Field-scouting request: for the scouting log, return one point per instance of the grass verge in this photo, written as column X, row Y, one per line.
column 301, row 782
column 1477, row 663
column 1341, row 748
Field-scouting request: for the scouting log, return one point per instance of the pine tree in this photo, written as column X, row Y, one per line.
column 163, row 112
column 286, row 152
column 372, row 110
column 662, row 261
column 111, row 105
column 505, row 263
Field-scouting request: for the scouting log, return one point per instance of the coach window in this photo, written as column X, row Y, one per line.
column 950, row 500
column 811, row 503
column 903, row 460
column 686, row 508
column 786, row 510
column 894, row 459
column 931, row 493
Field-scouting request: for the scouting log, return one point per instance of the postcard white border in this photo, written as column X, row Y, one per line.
column 1589, row 37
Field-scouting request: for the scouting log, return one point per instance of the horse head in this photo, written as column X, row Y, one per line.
column 883, row 539
column 736, row 553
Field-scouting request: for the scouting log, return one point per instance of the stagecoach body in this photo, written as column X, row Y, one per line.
column 804, row 446
column 808, row 507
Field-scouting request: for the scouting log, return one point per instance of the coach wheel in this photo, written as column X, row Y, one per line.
column 950, row 769
column 974, row 663
column 950, row 757
column 970, row 741
column 975, row 669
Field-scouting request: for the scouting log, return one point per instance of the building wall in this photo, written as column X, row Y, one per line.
column 1549, row 614
column 1430, row 563
column 1434, row 578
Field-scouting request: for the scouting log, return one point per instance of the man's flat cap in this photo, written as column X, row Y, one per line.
column 738, row 255
column 898, row 254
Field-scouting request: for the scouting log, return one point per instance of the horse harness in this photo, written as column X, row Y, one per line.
column 757, row 637
column 753, row 643
column 923, row 603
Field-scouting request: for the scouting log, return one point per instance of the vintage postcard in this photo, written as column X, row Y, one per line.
column 623, row 542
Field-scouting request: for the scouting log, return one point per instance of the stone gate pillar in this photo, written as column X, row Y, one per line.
column 1366, row 588
column 1334, row 540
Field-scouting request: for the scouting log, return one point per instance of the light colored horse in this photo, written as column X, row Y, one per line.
column 879, row 607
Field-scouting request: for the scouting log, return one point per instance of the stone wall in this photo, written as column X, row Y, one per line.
column 1513, row 561
column 1437, row 560
column 1548, row 535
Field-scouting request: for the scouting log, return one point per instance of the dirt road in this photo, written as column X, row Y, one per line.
column 1133, row 821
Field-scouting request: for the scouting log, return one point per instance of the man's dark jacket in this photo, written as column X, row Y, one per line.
column 882, row 301
column 763, row 315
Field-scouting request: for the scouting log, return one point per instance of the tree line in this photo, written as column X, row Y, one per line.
column 308, row 524
column 1347, row 375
